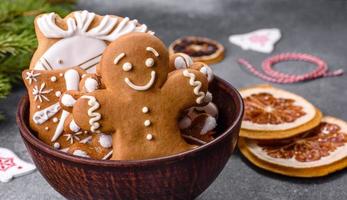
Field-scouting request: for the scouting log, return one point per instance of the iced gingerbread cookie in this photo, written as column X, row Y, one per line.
column 141, row 102
column 45, row 88
column 77, row 40
column 98, row 147
column 197, row 122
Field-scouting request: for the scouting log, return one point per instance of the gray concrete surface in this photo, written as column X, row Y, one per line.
column 313, row 26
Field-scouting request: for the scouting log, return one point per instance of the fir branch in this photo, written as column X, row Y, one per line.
column 13, row 45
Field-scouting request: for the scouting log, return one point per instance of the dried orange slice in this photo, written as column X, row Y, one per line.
column 200, row 49
column 272, row 113
column 318, row 152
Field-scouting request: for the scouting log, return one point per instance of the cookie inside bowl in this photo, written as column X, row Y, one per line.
column 188, row 173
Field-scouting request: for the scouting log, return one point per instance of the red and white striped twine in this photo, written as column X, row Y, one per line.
column 278, row 77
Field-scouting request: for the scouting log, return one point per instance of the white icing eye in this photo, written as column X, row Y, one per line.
column 149, row 62
column 127, row 66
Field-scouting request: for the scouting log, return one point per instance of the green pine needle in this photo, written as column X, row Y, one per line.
column 17, row 37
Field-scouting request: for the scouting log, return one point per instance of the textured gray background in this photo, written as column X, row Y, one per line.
column 313, row 26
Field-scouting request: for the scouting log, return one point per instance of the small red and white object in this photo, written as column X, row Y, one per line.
column 11, row 166
column 262, row 40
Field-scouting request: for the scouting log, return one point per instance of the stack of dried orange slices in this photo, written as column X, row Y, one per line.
column 284, row 133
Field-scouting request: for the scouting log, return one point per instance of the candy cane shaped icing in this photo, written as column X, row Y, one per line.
column 72, row 79
column 196, row 85
column 42, row 116
column 94, row 116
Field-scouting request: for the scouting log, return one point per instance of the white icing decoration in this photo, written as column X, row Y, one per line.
column 183, row 61
column 108, row 155
column 208, row 97
column 80, row 153
column 72, row 137
column 39, row 93
column 81, row 45
column 147, row 123
column 91, row 85
column 53, row 79
column 118, row 58
column 149, row 137
column 61, row 74
column 94, row 116
column 141, row 87
column 210, row 124
column 38, row 107
column 87, row 139
column 149, row 62
column 57, row 93
column 46, row 128
column 210, row 109
column 105, row 141
column 185, row 122
column 150, row 49
column 55, row 120
column 127, row 66
column 56, row 145
column 72, row 79
column 145, row 109
column 42, row 116
column 67, row 100
column 73, row 126
column 208, row 72
column 196, row 85
column 31, row 76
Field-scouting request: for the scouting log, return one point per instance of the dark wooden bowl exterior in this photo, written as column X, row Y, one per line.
column 182, row 176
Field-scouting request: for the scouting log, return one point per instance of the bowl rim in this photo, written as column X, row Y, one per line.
column 29, row 137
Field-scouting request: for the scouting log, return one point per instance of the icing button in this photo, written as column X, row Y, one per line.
column 55, row 120
column 57, row 93
column 147, row 123
column 149, row 137
column 145, row 109
column 53, row 79
column 46, row 128
column 56, row 145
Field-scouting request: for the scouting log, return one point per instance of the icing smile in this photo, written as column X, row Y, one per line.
column 141, row 87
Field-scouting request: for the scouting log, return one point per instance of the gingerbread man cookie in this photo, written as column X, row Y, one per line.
column 141, row 102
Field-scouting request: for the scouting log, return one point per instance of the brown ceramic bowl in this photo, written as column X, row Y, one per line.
column 182, row 176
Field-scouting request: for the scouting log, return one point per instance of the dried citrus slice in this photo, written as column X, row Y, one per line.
column 272, row 113
column 318, row 152
column 200, row 49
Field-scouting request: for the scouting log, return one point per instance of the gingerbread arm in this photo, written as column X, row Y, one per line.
column 90, row 112
column 186, row 88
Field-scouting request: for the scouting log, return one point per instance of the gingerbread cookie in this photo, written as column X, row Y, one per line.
column 199, row 48
column 141, row 102
column 98, row 147
column 77, row 40
column 47, row 118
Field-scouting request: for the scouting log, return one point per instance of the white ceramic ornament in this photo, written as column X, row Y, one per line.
column 11, row 166
column 262, row 40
